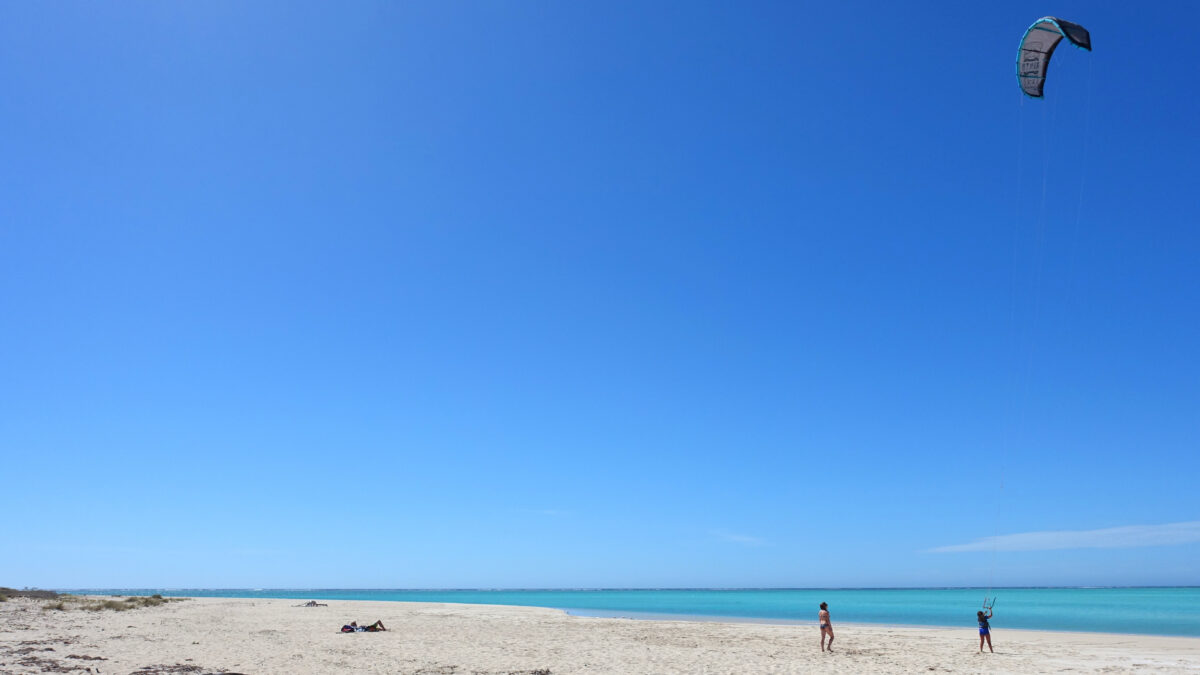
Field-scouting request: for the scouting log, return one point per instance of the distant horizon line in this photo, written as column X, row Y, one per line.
column 625, row 588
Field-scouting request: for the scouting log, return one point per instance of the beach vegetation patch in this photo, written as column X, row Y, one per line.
column 66, row 602
column 135, row 602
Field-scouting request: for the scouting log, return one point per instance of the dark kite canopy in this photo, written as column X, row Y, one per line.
column 1037, row 46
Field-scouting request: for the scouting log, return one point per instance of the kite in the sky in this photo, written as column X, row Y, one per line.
column 1037, row 46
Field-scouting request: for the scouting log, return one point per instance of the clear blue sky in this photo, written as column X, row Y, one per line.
column 596, row 294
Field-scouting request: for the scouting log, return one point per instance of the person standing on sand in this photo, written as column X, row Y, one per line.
column 826, row 626
column 985, row 630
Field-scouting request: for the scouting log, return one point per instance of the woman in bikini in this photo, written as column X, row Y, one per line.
column 353, row 627
column 826, row 626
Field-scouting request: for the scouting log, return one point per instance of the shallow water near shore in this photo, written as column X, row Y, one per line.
column 1147, row 611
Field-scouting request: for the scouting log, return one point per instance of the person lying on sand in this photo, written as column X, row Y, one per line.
column 826, row 626
column 353, row 627
column 314, row 603
column 985, row 630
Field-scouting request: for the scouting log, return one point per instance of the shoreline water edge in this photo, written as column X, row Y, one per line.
column 1169, row 611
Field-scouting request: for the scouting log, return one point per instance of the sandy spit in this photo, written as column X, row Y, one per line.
column 221, row 635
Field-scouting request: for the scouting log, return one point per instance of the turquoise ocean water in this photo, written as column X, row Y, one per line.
column 1151, row 611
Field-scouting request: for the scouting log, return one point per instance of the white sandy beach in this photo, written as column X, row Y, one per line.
column 219, row 635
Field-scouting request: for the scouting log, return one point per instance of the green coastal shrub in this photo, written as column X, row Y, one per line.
column 66, row 602
column 135, row 602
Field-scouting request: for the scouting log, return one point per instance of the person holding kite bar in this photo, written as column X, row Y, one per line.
column 985, row 629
